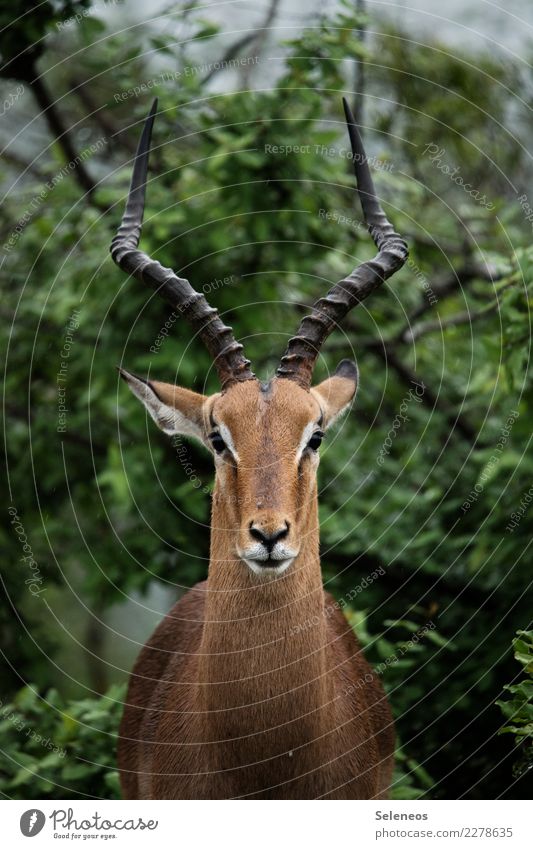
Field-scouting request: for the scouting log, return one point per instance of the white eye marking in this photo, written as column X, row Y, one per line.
column 226, row 436
column 309, row 430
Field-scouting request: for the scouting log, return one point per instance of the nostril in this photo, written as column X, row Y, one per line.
column 268, row 539
column 257, row 534
column 283, row 531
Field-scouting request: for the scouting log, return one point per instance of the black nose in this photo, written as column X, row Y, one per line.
column 269, row 539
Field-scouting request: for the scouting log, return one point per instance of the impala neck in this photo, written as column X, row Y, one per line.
column 263, row 648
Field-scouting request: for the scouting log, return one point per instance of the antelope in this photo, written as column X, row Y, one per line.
column 251, row 687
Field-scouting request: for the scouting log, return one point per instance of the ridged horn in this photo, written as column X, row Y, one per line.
column 227, row 353
column 302, row 351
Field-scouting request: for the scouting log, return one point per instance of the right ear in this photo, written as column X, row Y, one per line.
column 173, row 409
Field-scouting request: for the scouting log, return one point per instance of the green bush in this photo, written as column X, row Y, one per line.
column 518, row 710
column 52, row 749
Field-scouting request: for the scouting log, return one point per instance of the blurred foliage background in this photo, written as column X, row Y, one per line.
column 114, row 526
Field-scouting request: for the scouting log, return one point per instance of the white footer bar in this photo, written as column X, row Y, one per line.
column 267, row 825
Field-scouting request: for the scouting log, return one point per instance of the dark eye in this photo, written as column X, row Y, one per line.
column 217, row 442
column 316, row 440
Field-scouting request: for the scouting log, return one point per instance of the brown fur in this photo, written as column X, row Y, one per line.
column 256, row 687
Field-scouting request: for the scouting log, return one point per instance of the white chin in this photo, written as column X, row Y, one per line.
column 269, row 571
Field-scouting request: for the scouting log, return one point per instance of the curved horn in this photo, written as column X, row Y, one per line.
column 229, row 360
column 302, row 350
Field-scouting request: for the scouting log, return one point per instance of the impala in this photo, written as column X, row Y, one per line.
column 235, row 694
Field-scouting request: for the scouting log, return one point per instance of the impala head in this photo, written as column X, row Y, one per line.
column 264, row 437
column 265, row 440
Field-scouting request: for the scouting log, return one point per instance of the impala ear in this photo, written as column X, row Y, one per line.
column 173, row 409
column 336, row 393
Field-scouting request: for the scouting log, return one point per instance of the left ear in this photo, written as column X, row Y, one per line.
column 174, row 409
column 337, row 392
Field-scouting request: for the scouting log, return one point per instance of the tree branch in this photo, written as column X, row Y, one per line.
column 22, row 165
column 449, row 285
column 410, row 334
column 456, row 421
column 100, row 115
column 58, row 130
column 233, row 51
